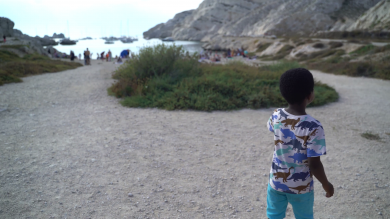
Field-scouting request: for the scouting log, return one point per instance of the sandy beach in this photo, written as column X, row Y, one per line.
column 68, row 150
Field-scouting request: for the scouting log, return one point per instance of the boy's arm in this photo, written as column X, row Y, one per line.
column 270, row 125
column 317, row 169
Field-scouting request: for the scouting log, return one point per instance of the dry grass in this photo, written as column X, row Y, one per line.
column 12, row 67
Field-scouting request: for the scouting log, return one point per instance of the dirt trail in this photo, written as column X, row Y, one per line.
column 67, row 150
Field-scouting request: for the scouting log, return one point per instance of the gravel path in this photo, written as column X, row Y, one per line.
column 67, row 150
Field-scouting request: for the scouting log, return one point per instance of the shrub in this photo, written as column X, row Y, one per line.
column 187, row 84
column 334, row 45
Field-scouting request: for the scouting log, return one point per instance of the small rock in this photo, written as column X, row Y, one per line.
column 130, row 195
column 379, row 213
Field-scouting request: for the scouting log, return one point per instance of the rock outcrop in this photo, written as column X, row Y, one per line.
column 164, row 30
column 26, row 43
column 263, row 17
column 6, row 27
column 60, row 35
column 46, row 41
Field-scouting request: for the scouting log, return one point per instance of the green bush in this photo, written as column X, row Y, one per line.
column 187, row 84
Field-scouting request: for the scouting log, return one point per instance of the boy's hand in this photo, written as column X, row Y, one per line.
column 328, row 189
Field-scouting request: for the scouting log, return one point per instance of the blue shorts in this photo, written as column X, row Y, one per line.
column 277, row 204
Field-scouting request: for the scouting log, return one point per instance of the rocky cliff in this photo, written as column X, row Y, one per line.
column 263, row 17
column 164, row 30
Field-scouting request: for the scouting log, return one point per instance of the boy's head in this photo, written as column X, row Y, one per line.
column 296, row 85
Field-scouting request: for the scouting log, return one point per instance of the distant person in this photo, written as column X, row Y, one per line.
column 109, row 55
column 5, row 38
column 98, row 57
column 301, row 140
column 71, row 55
column 102, row 55
column 245, row 54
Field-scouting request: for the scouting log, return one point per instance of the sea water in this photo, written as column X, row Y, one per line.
column 97, row 46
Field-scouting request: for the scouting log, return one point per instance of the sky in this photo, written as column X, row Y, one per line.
column 96, row 18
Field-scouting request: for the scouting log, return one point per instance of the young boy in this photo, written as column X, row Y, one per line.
column 299, row 143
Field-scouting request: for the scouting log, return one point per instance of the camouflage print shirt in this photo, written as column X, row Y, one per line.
column 296, row 139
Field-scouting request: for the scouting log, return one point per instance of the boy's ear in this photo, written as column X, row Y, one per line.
column 311, row 96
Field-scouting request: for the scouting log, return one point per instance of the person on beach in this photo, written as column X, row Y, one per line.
column 109, row 55
column 4, row 38
column 299, row 143
column 102, row 55
column 87, row 61
column 71, row 55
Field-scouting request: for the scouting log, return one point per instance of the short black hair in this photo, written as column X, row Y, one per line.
column 296, row 84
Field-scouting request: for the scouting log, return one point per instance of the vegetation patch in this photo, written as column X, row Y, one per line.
column 377, row 35
column 262, row 47
column 370, row 136
column 165, row 77
column 370, row 49
column 355, row 69
column 12, row 67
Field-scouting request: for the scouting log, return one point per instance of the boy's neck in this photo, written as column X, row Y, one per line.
column 296, row 109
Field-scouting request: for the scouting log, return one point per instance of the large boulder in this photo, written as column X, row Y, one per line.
column 164, row 30
column 18, row 33
column 264, row 17
column 6, row 27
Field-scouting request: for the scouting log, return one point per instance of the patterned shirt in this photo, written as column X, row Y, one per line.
column 296, row 139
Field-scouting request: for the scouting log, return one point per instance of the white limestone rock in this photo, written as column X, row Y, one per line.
column 263, row 17
column 164, row 30
column 377, row 18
